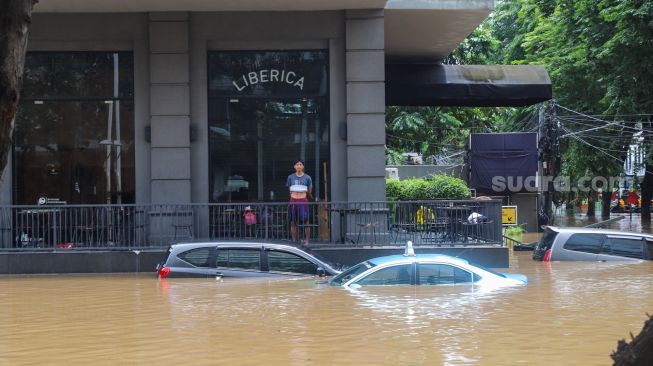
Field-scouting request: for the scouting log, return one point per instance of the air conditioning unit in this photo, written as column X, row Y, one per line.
column 392, row 173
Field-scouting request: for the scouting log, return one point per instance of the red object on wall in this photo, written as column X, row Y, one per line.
column 633, row 198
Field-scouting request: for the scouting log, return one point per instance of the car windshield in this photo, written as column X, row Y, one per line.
column 547, row 240
column 351, row 273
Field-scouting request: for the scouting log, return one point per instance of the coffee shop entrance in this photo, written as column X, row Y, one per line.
column 266, row 109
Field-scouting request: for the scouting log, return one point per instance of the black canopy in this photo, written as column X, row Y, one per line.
column 466, row 85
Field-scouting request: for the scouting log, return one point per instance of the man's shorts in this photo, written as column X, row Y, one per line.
column 298, row 210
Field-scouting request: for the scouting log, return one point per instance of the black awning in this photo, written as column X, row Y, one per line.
column 466, row 85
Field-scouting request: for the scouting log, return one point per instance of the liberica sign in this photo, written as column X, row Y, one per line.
column 269, row 76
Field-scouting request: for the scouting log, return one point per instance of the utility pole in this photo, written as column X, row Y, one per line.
column 549, row 156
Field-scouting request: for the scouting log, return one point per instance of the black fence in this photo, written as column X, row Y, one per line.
column 443, row 223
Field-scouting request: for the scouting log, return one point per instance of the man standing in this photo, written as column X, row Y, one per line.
column 300, row 185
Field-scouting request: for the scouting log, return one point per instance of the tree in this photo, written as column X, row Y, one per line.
column 15, row 18
column 598, row 55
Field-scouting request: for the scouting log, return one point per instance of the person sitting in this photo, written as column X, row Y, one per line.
column 475, row 218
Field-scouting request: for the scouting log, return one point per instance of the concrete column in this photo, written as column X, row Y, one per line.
column 365, row 78
column 169, row 108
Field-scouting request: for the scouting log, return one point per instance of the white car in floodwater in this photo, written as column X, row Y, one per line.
column 422, row 269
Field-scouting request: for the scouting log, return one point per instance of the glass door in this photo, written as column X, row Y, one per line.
column 254, row 141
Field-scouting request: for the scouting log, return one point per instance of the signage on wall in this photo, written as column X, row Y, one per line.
column 509, row 215
column 269, row 76
column 50, row 201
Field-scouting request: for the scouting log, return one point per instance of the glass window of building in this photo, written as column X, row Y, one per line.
column 74, row 134
column 266, row 109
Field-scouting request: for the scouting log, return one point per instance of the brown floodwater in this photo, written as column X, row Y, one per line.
column 569, row 313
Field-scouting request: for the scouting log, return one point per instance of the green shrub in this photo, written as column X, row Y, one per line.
column 515, row 232
column 432, row 188
column 392, row 189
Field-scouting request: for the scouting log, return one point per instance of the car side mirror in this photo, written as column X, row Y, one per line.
column 321, row 272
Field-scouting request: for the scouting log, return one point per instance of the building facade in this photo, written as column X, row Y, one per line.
column 211, row 101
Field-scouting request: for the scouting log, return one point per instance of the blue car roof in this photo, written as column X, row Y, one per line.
column 399, row 257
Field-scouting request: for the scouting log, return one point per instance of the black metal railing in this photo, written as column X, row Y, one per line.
column 465, row 222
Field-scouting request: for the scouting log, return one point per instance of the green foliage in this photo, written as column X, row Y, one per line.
column 435, row 187
column 515, row 232
column 598, row 54
column 393, row 189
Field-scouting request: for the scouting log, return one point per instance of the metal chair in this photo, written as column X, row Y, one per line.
column 183, row 223
column 438, row 230
column 475, row 231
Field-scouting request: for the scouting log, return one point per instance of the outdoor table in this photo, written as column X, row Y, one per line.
column 455, row 214
column 343, row 211
column 36, row 219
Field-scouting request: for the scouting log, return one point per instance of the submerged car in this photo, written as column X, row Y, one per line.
column 241, row 260
column 589, row 244
column 422, row 269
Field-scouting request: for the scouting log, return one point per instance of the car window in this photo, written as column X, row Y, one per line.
column 239, row 258
column 588, row 243
column 649, row 244
column 199, row 257
column 350, row 273
column 624, row 247
column 547, row 240
column 279, row 261
column 439, row 274
column 395, row 275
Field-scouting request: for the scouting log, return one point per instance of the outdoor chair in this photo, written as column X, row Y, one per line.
column 475, row 231
column 437, row 230
column 367, row 228
column 183, row 224
column 403, row 223
column 226, row 223
column 272, row 223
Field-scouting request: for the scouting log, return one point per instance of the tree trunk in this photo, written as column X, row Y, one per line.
column 639, row 352
column 605, row 204
column 647, row 193
column 591, row 204
column 15, row 18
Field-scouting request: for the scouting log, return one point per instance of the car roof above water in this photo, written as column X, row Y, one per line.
column 426, row 257
column 589, row 230
column 182, row 246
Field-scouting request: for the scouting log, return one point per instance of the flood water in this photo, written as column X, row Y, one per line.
column 569, row 313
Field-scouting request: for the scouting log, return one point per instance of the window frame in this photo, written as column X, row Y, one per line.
column 209, row 257
column 215, row 95
column 600, row 245
column 634, row 239
column 412, row 269
column 125, row 95
column 260, row 259
column 270, row 270
column 474, row 277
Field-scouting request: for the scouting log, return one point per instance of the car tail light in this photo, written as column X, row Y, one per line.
column 164, row 272
column 547, row 256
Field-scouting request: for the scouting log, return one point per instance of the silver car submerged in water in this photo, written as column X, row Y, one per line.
column 422, row 269
column 224, row 259
column 589, row 244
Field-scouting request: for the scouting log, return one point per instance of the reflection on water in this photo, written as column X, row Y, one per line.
column 630, row 222
column 569, row 313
